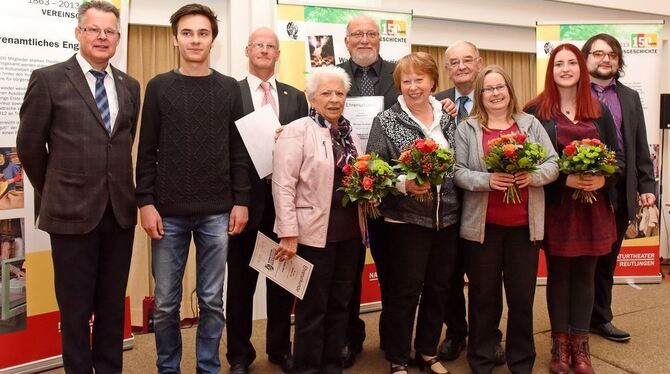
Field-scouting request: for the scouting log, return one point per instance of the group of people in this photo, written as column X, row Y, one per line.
column 195, row 181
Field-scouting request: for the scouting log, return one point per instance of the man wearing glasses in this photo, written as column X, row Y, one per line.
column 370, row 76
column 605, row 62
column 78, row 122
column 260, row 88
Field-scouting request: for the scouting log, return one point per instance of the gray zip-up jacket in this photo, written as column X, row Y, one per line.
column 472, row 176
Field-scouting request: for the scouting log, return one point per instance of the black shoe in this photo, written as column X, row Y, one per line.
column 450, row 349
column 499, row 355
column 239, row 368
column 609, row 331
column 285, row 362
column 395, row 368
column 348, row 355
column 428, row 365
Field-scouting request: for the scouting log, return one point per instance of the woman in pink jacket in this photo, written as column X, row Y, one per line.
column 310, row 219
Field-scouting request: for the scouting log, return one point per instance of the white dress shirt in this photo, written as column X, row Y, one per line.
column 110, row 86
column 257, row 91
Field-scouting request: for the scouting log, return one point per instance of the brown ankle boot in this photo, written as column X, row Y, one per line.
column 560, row 354
column 581, row 357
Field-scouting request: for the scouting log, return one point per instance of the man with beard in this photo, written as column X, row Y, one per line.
column 258, row 89
column 604, row 60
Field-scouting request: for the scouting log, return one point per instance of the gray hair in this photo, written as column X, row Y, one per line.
column 101, row 5
column 324, row 73
column 462, row 42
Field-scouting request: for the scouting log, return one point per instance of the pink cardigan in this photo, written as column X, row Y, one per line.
column 302, row 182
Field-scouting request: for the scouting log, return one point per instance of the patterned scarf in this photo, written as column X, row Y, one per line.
column 343, row 145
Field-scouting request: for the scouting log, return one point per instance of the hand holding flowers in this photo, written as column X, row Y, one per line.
column 587, row 162
column 425, row 163
column 367, row 180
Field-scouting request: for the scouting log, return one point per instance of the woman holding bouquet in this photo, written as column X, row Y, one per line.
column 423, row 230
column 500, row 236
column 587, row 230
column 306, row 172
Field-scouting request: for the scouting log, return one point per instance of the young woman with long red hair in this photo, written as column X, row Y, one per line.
column 568, row 112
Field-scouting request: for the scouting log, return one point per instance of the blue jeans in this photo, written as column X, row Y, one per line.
column 169, row 254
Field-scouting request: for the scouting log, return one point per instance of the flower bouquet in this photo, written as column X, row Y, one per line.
column 367, row 179
column 424, row 161
column 587, row 156
column 511, row 153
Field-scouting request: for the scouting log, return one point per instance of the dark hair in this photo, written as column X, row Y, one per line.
column 103, row 6
column 194, row 9
column 548, row 102
column 421, row 63
column 6, row 160
column 613, row 43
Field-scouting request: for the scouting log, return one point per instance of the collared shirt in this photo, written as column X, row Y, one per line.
column 110, row 86
column 373, row 73
column 607, row 95
column 257, row 91
column 468, row 104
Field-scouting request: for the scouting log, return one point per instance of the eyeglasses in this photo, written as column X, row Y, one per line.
column 96, row 32
column 359, row 35
column 601, row 54
column 454, row 63
column 490, row 90
column 262, row 45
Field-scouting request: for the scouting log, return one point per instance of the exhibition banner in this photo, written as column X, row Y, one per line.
column 313, row 36
column 33, row 34
column 639, row 260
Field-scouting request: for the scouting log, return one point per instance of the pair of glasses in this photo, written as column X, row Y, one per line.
column 359, row 35
column 490, row 90
column 96, row 32
column 263, row 45
column 601, row 54
column 467, row 61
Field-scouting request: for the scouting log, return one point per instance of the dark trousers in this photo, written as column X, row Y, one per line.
column 321, row 316
column 454, row 311
column 421, row 265
column 570, row 293
column 90, row 276
column 242, row 281
column 506, row 256
column 378, row 233
column 604, row 275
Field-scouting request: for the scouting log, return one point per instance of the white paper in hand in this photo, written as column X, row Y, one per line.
column 257, row 130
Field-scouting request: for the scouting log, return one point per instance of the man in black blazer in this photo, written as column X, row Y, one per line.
column 78, row 122
column 604, row 60
column 258, row 89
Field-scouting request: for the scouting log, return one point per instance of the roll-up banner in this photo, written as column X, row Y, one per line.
column 639, row 259
column 313, row 36
column 33, row 34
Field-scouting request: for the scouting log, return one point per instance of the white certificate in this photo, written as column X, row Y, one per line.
column 293, row 275
column 257, row 130
column 360, row 111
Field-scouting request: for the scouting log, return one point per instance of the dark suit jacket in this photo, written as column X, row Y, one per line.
column 639, row 173
column 449, row 93
column 83, row 168
column 384, row 86
column 292, row 105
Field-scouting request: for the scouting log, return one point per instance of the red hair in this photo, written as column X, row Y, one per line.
column 548, row 102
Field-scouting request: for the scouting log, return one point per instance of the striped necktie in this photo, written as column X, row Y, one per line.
column 101, row 98
column 462, row 112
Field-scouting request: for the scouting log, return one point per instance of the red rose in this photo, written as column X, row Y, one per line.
column 431, row 146
column 346, row 169
column 364, row 158
column 570, row 149
column 361, row 166
column 509, row 150
column 420, row 144
column 405, row 157
column 367, row 183
column 520, row 138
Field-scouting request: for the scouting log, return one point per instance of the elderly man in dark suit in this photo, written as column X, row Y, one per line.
column 78, row 122
column 605, row 62
column 260, row 88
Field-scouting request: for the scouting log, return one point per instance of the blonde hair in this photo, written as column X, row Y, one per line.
column 478, row 111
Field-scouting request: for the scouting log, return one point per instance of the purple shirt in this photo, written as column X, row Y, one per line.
column 607, row 95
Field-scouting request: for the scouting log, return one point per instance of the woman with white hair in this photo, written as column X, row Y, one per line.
column 310, row 219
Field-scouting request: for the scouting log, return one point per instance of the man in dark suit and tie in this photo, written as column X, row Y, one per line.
column 605, row 62
column 260, row 88
column 462, row 63
column 78, row 122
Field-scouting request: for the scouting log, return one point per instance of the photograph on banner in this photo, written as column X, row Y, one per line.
column 11, row 179
column 313, row 36
column 639, row 259
column 12, row 276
